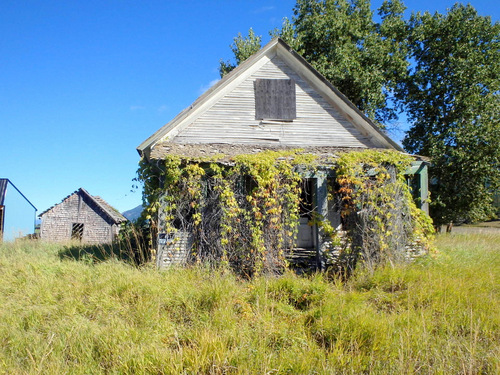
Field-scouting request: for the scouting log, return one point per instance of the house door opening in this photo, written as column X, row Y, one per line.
column 305, row 235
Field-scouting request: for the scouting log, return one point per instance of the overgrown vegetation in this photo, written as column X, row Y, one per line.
column 245, row 212
column 379, row 212
column 453, row 101
column 133, row 246
column 436, row 315
column 442, row 70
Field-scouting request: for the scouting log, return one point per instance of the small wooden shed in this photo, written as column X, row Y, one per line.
column 81, row 217
column 17, row 213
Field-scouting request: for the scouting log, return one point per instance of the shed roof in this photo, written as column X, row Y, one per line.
column 225, row 153
column 3, row 190
column 106, row 208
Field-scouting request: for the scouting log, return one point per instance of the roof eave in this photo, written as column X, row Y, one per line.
column 104, row 209
column 144, row 149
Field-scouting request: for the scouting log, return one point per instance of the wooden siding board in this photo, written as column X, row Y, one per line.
column 232, row 118
column 175, row 251
column 57, row 223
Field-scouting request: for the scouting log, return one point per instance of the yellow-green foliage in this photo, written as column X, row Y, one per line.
column 373, row 183
column 245, row 212
column 438, row 315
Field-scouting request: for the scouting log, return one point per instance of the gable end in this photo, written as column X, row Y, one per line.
column 255, row 104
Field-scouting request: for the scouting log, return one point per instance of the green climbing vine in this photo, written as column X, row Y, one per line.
column 244, row 212
column 377, row 207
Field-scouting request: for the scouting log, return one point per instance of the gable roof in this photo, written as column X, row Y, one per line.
column 115, row 216
column 3, row 190
column 276, row 47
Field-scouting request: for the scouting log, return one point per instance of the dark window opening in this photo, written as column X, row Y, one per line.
column 306, row 205
column 413, row 181
column 275, row 99
column 77, row 231
column 250, row 185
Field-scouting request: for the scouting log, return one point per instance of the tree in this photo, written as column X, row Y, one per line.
column 443, row 70
column 363, row 59
column 243, row 48
column 452, row 99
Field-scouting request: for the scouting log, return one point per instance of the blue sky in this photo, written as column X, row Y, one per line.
column 83, row 83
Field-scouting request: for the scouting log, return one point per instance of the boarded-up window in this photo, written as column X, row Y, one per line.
column 275, row 99
column 77, row 231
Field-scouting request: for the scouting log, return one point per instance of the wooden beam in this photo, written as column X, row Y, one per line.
column 421, row 169
column 322, row 210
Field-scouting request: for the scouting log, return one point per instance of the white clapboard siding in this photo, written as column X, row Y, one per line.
column 232, row 118
column 175, row 252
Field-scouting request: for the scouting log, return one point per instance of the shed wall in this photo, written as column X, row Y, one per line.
column 18, row 216
column 57, row 223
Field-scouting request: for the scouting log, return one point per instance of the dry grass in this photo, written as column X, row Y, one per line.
column 485, row 224
column 438, row 315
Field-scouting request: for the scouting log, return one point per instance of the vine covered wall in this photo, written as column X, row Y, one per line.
column 378, row 210
column 244, row 213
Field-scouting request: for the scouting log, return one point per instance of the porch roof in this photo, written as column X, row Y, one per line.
column 226, row 152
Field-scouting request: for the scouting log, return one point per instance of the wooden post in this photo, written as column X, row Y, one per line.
column 424, row 187
column 1, row 222
column 322, row 210
column 421, row 169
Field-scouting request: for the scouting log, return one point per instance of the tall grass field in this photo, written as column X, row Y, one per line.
column 438, row 315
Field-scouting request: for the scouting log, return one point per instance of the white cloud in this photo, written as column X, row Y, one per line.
column 264, row 9
column 204, row 88
column 163, row 108
column 136, row 107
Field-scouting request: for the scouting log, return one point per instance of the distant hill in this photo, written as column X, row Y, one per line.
column 134, row 213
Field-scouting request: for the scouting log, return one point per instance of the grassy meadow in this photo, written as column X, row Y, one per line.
column 437, row 315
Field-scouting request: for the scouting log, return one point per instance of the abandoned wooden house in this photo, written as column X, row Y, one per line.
column 274, row 105
column 17, row 213
column 81, row 217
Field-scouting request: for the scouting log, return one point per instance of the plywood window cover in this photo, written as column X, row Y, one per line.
column 275, row 99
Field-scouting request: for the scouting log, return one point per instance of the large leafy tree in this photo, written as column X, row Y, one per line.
column 442, row 69
column 242, row 48
column 452, row 97
column 363, row 59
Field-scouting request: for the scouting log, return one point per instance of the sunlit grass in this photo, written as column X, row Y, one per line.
column 437, row 315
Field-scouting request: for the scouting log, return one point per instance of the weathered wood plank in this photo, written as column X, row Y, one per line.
column 275, row 99
column 58, row 222
column 232, row 118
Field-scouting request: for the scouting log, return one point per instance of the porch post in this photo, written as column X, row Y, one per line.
column 424, row 187
column 421, row 169
column 322, row 210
